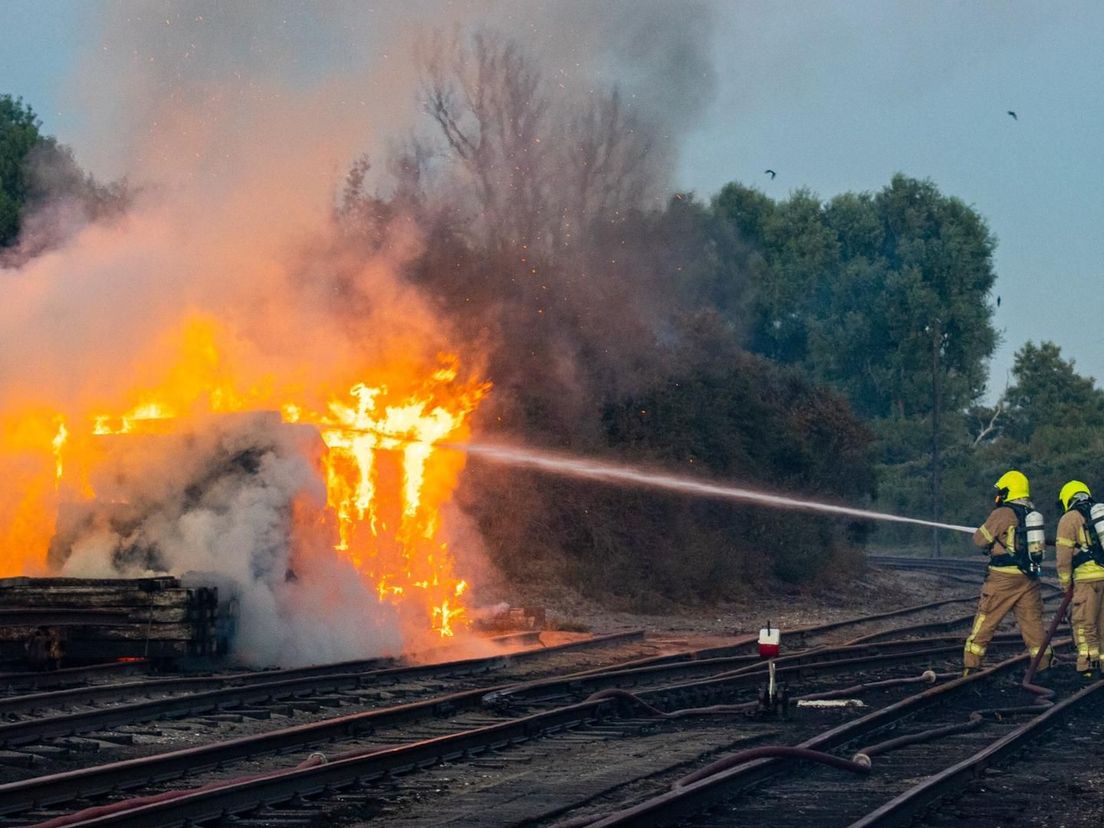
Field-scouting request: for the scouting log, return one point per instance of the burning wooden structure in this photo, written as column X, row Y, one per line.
column 48, row 622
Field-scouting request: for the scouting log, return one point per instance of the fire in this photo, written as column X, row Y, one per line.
column 58, row 443
column 386, row 474
column 389, row 534
column 133, row 421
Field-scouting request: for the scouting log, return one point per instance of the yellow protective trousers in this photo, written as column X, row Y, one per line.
column 1087, row 618
column 1003, row 592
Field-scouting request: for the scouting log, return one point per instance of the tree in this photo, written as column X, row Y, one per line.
column 798, row 255
column 542, row 165
column 537, row 201
column 869, row 292
column 1048, row 392
column 19, row 133
column 1049, row 423
column 44, row 194
column 909, row 298
column 938, row 259
column 881, row 296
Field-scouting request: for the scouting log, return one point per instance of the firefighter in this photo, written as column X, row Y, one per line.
column 1012, row 582
column 1081, row 558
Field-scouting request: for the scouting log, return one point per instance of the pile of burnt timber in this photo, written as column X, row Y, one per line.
column 511, row 619
column 50, row 622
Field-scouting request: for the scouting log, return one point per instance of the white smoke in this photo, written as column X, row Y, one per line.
column 236, row 501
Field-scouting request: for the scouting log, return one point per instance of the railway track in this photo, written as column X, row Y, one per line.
column 260, row 696
column 383, row 752
column 113, row 673
column 1056, row 779
column 376, row 745
column 345, row 743
column 23, row 681
column 31, row 718
column 966, row 570
column 783, row 791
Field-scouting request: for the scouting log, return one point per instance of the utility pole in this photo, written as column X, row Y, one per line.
column 937, row 404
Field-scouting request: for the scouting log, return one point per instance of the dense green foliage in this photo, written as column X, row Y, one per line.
column 721, row 414
column 18, row 136
column 39, row 177
column 1051, row 425
column 883, row 297
column 860, row 290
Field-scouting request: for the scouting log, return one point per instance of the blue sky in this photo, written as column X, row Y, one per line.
column 39, row 45
column 836, row 97
column 839, row 96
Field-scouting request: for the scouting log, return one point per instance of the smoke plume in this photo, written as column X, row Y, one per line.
column 235, row 126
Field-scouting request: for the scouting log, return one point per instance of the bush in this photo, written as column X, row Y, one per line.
column 721, row 415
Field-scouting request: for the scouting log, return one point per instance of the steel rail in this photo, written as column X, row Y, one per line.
column 958, row 562
column 671, row 807
column 970, row 565
column 205, row 804
column 58, row 787
column 714, row 687
column 23, row 732
column 70, row 675
column 904, row 808
column 132, row 773
column 35, row 702
column 219, row 800
column 746, row 641
column 880, row 616
column 809, row 661
column 193, row 684
column 940, row 626
column 178, row 762
column 216, row 802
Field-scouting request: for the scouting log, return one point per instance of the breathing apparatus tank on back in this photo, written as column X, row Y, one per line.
column 1024, row 549
column 1076, row 496
column 1035, row 542
column 1096, row 519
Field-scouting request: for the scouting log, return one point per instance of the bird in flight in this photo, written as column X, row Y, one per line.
column 998, row 301
column 771, row 173
column 1014, row 116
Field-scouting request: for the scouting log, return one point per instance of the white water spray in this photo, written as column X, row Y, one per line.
column 569, row 466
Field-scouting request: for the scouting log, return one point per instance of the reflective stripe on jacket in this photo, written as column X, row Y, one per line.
column 1071, row 538
column 998, row 535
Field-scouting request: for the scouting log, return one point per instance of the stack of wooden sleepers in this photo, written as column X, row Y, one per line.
column 52, row 622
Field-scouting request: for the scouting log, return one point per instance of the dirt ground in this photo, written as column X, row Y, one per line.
column 874, row 591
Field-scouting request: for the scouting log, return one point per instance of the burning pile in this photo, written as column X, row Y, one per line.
column 239, row 374
column 257, row 487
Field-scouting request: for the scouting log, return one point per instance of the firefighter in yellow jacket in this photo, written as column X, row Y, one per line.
column 1081, row 558
column 1012, row 583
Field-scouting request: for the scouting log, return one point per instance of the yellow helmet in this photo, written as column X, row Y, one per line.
column 1070, row 490
column 1012, row 485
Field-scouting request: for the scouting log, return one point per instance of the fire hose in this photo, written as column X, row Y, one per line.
column 1044, row 699
column 772, row 751
column 1045, row 694
column 927, row 677
column 860, row 761
column 855, row 765
column 974, row 721
column 167, row 796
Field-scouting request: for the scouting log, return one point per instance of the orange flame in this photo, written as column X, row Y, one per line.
column 58, row 443
column 386, row 476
